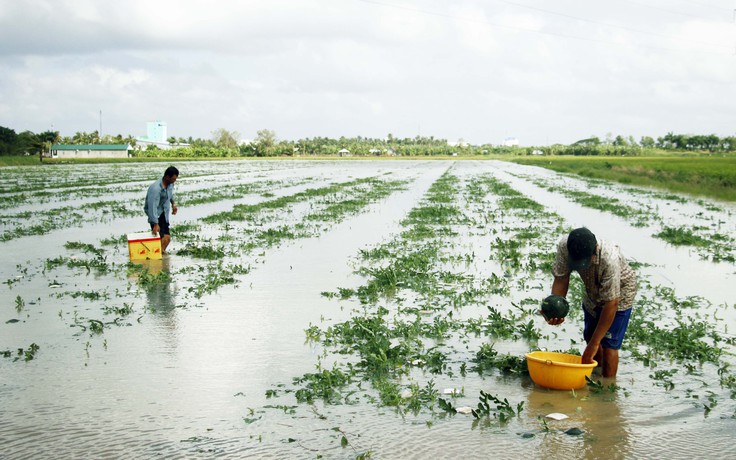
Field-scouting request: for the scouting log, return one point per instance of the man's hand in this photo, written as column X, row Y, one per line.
column 590, row 352
column 155, row 229
column 605, row 318
column 174, row 209
column 552, row 321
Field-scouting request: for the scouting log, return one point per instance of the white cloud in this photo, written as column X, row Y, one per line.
column 470, row 69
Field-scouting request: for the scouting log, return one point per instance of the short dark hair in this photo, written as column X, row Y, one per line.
column 171, row 171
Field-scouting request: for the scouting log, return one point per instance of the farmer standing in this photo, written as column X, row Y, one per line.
column 160, row 204
column 610, row 287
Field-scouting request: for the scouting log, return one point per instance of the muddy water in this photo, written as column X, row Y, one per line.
column 188, row 378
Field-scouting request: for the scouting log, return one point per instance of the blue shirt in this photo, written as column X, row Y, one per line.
column 158, row 201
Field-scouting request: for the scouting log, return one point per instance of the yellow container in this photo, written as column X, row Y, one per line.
column 558, row 371
column 144, row 246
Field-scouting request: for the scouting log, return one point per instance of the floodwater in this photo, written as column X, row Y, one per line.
column 185, row 376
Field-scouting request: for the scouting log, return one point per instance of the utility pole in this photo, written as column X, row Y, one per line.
column 99, row 133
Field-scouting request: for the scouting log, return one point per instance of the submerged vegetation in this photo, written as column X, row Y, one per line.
column 408, row 330
column 391, row 341
column 25, row 354
column 431, row 326
column 217, row 260
column 708, row 236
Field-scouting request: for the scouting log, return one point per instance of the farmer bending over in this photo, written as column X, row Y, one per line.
column 610, row 287
column 160, row 203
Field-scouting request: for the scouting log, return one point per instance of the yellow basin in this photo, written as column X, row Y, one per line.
column 558, row 371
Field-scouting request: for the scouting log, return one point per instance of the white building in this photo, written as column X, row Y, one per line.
column 156, row 131
column 511, row 142
column 156, row 134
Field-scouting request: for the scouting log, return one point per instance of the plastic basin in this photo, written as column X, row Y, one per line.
column 558, row 371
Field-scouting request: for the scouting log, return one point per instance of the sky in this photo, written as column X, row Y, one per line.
column 479, row 71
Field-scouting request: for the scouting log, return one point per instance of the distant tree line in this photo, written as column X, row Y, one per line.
column 26, row 142
column 30, row 143
column 224, row 143
column 629, row 146
column 82, row 138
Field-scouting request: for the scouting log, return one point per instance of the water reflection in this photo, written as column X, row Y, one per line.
column 160, row 295
column 598, row 415
column 161, row 302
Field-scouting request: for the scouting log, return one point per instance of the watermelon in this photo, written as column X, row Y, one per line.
column 555, row 306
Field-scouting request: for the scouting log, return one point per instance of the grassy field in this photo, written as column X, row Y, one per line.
column 713, row 177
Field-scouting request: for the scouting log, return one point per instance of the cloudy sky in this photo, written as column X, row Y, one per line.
column 542, row 72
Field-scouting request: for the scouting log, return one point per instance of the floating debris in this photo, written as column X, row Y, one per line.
column 574, row 431
column 556, row 416
column 464, row 410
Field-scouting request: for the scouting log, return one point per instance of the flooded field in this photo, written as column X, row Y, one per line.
column 349, row 309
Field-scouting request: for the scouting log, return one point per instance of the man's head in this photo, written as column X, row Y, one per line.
column 581, row 244
column 170, row 175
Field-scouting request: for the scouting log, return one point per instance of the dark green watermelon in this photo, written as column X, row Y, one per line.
column 555, row 306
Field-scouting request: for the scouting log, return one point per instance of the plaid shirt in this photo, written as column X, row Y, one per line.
column 608, row 277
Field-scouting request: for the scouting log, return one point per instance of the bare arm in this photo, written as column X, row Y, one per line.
column 608, row 313
column 560, row 285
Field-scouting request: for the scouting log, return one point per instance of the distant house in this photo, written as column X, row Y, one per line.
column 91, row 150
column 343, row 152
